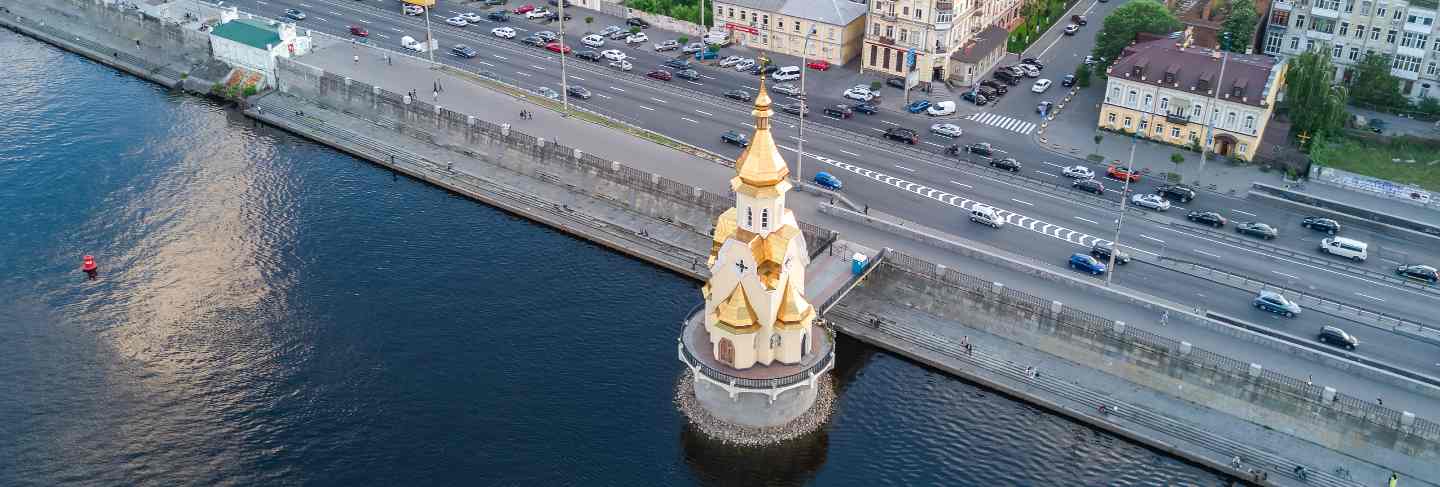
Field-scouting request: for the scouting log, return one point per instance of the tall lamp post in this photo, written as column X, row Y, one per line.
column 1210, row 110
column 564, row 78
column 429, row 35
column 1120, row 222
column 800, row 142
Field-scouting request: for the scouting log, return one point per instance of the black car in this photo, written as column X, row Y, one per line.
column 1176, row 192
column 689, row 74
column 839, row 111
column 1007, row 77
column 896, row 81
column 499, row 16
column 902, row 134
column 1102, row 252
column 977, row 99
column 678, row 63
column 1331, row 335
column 493, row 3
column 764, row 70
column 1418, row 272
column 1321, row 224
column 553, row 16
column 981, row 148
column 534, row 41
column 988, row 92
column 637, row 22
column 1257, row 229
column 1068, row 80
column 996, row 85
column 741, row 95
column 578, row 92
column 1033, row 62
column 794, row 109
column 733, row 137
column 557, row 3
column 464, row 51
column 1008, row 164
column 1206, row 218
column 589, row 55
column 865, row 108
column 1088, row 186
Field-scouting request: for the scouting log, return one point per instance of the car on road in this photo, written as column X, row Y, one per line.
column 524, row 9
column 999, row 87
column 730, row 61
column 294, row 14
column 359, row 31
column 503, row 32
column 946, row 130
column 704, row 55
column 1071, row 29
column 786, row 73
column 457, row 21
column 593, row 40
column 578, row 91
column 1087, row 263
column 498, row 16
column 1078, row 19
column 733, row 137
column 1090, row 60
column 558, row 47
column 1321, row 224
column 744, row 64
column 983, row 149
column 1210, row 218
column 825, row 180
column 978, row 99
column 1276, row 303
column 622, row 65
column 1418, row 272
column 859, row 93
column 1151, row 201
column 669, row 45
column 795, row 109
column 819, row 65
column 1176, row 192
column 1008, row 164
column 659, row 74
column 741, row 95
column 1043, row 108
column 1345, row 247
column 693, row 48
column 917, row 106
column 941, row 109
column 1077, row 172
column 987, row 215
column 1332, row 335
column 547, row 92
column 413, row 10
column 614, row 55
column 990, row 93
column 619, row 36
column 637, row 22
column 839, row 111
column 589, row 55
column 788, row 89
column 1068, row 80
column 689, row 74
column 472, row 17
column 464, row 51
column 1257, row 229
column 677, row 63
column 611, row 30
column 1103, row 251
column 538, row 13
column 896, row 81
column 1089, row 186
column 865, row 108
column 494, row 3
column 1029, row 70
column 1040, row 86
column 533, row 41
column 1122, row 172
column 637, row 38
column 547, row 35
column 902, row 134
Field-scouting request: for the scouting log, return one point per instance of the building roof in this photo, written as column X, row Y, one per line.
column 761, row 165
column 1194, row 70
column 983, row 44
column 250, row 32
column 834, row 12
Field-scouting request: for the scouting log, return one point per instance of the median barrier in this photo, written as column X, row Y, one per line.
column 1350, row 214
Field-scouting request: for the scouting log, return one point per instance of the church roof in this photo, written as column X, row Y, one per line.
column 794, row 309
column 735, row 311
column 761, row 165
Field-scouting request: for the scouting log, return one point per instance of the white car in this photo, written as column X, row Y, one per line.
column 669, row 45
column 730, row 61
column 859, row 93
column 593, row 40
column 503, row 32
column 538, row 13
column 472, row 17
column 940, row 109
column 622, row 65
column 1040, row 86
column 745, row 64
column 637, row 38
column 1151, row 201
column 614, row 55
column 1030, row 71
column 947, row 129
column 414, row 10
column 1078, row 172
column 457, row 21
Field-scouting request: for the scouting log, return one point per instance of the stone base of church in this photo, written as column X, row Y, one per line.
column 753, row 419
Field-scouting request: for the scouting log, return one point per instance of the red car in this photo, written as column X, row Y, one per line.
column 359, row 31
column 659, row 74
column 524, row 9
column 556, row 47
column 818, row 65
column 1119, row 171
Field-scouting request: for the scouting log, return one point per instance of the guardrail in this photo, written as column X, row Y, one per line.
column 720, row 376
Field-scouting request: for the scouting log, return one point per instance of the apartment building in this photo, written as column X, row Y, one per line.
column 1347, row 29
column 948, row 38
column 1169, row 91
column 835, row 27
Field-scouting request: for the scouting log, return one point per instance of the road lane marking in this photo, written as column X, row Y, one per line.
column 537, row 67
column 485, row 63
column 1243, row 212
column 934, row 144
column 694, row 83
column 522, row 73
column 703, row 113
column 1053, row 164
column 645, row 107
column 958, row 183
column 1369, row 296
column 689, row 120
column 602, row 95
column 877, row 130
column 1026, row 203
column 850, row 153
column 577, row 77
column 889, row 122
column 1083, row 220
column 904, row 168
column 1198, row 251
column 497, row 56
column 1284, row 274
column 617, row 89
column 657, row 100
column 1047, row 174
column 1147, row 237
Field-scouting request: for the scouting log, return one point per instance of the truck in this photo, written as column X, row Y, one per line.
column 414, row 45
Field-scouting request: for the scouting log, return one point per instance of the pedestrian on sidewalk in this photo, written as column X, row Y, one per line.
column 357, row 59
column 969, row 349
column 1380, row 401
column 435, row 96
column 388, row 61
column 1164, row 317
column 1235, row 462
column 1310, row 381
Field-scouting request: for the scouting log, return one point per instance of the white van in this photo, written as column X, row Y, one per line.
column 986, row 215
column 1345, row 247
column 717, row 38
column 787, row 73
column 412, row 44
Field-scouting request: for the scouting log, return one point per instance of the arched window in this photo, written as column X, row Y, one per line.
column 1148, row 99
column 1250, row 122
column 765, row 218
column 1130, row 98
column 1195, row 112
column 1230, row 120
column 1114, row 95
column 1164, row 104
column 749, row 217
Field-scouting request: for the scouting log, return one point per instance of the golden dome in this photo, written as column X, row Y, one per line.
column 735, row 310
column 761, row 165
column 793, row 307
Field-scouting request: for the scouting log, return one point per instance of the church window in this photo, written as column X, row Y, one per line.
column 775, row 341
column 765, row 218
column 749, row 217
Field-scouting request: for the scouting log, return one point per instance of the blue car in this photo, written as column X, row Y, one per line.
column 917, row 106
column 825, row 180
column 707, row 54
column 1087, row 263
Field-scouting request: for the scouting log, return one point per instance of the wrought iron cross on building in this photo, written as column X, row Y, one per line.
column 741, row 265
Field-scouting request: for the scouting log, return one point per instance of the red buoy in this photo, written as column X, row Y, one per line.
column 89, row 266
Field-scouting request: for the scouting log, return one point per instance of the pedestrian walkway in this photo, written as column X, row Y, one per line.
column 1008, row 123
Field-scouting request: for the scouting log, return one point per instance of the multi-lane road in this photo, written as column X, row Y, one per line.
column 1048, row 220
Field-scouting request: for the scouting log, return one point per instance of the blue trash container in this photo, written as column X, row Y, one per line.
column 857, row 263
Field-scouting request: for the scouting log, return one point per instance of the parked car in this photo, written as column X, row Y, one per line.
column 1276, row 303
column 614, row 55
column 917, row 106
column 1087, row 263
column 1029, row 70
column 693, row 47
column 553, row 16
column 472, row 17
column 859, row 93
column 494, row 3
column 865, row 108
column 294, row 14
column 413, row 9
column 1033, row 62
column 745, row 64
column 990, row 93
column 611, row 30
column 741, row 95
column 1176, row 192
column 941, row 109
column 524, row 9
column 578, row 91
column 1077, row 172
column 538, row 13
column 1071, row 29
column 761, row 69
column 786, row 73
column 1068, row 80
column 558, row 47
column 689, row 74
column 1008, row 164
column 457, row 21
column 637, row 22
column 978, row 99
column 359, row 31
column 1331, row 335
column 619, row 35
column 1103, row 251
column 981, row 149
column 669, row 45
column 999, row 87
column 503, row 32
column 1151, row 201
column 825, row 180
column 1418, row 272
column 1040, row 86
column 589, row 55
column 839, row 111
column 1007, row 77
column 547, row 35
column 1091, row 60
column 1257, row 229
column 818, row 65
column 704, row 55
column 1206, row 218
column 1089, row 186
column 1121, row 172
column 1321, row 224
column 498, row 16
column 788, row 89
column 903, row 135
column 622, row 65
column 1078, row 19
column 946, row 130
column 795, row 109
column 730, row 61
column 534, row 41
column 593, row 40
column 733, row 137
column 659, row 74
column 677, row 63
column 637, row 38
column 896, row 81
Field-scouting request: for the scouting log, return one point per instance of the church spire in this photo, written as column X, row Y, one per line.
column 761, row 164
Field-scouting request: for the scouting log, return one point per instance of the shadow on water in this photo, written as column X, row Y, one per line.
column 791, row 463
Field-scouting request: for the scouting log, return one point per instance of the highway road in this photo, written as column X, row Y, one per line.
column 919, row 182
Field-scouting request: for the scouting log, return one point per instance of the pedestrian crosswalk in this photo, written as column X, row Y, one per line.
column 1007, row 123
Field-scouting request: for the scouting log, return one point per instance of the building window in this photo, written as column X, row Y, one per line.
column 1148, row 99
column 1431, row 69
column 1144, row 124
column 1130, row 99
column 749, row 217
column 1280, row 17
column 1323, row 25
column 1344, row 29
column 1114, row 95
column 1110, row 117
column 1309, row 45
column 1339, row 49
column 1380, row 11
column 1398, row 14
column 1127, row 122
column 1243, row 147
column 1294, row 43
column 1406, row 63
column 1194, row 136
column 1159, row 129
column 732, row 13
column 903, row 35
column 1359, row 32
column 1272, row 42
column 1175, row 132
column 1299, row 21
column 1195, row 112
column 1230, row 120
column 1390, row 38
column 1328, row 4
column 1349, row 6
column 919, row 14
column 1374, row 33
column 1164, row 105
column 1354, row 54
column 875, row 30
column 764, row 218
column 1364, row 8
column 797, row 26
column 1250, row 123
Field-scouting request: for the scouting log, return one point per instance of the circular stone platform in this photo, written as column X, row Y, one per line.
column 761, row 397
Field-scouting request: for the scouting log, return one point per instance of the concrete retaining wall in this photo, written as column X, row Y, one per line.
column 1350, row 214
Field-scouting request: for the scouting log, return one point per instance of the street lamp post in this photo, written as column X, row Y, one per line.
column 429, row 37
column 1210, row 111
column 564, row 79
column 1120, row 222
column 800, row 142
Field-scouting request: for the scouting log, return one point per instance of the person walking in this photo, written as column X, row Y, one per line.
column 357, row 59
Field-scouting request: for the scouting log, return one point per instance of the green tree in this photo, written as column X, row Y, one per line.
column 1373, row 84
column 1125, row 22
column 1240, row 24
column 1082, row 75
column 1429, row 106
column 1310, row 83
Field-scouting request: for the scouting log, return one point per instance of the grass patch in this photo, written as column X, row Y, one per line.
column 1385, row 160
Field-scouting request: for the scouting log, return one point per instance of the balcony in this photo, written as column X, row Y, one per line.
column 889, row 41
column 1282, row 5
column 1177, row 118
column 1328, row 13
column 890, row 16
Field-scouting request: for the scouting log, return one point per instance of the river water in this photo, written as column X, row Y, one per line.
column 274, row 312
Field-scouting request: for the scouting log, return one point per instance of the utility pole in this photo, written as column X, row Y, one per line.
column 1210, row 111
column 800, row 143
column 429, row 36
column 1124, row 200
column 564, row 79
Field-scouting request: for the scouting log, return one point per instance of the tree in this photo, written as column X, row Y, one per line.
column 589, row 20
column 1125, row 22
column 1374, row 85
column 1310, row 83
column 1240, row 24
column 1082, row 75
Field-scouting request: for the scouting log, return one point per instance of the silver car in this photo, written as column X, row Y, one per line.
column 547, row 92
column 786, row 89
column 946, row 129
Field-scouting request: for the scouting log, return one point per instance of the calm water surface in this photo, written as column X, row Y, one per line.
column 273, row 312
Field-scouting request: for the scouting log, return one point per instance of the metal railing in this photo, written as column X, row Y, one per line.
column 761, row 384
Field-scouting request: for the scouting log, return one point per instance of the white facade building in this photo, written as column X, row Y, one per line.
column 1347, row 29
column 254, row 44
